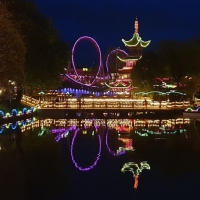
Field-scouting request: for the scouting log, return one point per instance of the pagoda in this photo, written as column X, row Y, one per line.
column 123, row 83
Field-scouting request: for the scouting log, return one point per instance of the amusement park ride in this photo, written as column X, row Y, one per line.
column 120, row 81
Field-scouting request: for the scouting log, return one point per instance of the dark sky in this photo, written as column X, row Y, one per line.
column 108, row 21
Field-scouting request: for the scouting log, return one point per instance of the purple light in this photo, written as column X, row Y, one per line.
column 68, row 76
column 59, row 136
column 59, row 130
column 110, row 151
column 100, row 61
column 75, row 163
column 114, row 51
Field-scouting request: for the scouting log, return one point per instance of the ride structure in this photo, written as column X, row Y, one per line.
column 110, row 78
column 87, row 77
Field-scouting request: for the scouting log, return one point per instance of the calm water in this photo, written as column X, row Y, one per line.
column 70, row 159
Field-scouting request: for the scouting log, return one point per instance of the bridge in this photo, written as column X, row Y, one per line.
column 102, row 106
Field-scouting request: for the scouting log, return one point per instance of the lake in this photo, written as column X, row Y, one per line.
column 100, row 159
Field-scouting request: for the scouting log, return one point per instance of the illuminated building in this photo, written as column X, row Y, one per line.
column 123, row 82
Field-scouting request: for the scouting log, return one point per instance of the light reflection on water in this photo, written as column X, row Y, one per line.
column 110, row 146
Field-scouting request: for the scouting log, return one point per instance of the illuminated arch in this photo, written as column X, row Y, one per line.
column 73, row 64
column 14, row 112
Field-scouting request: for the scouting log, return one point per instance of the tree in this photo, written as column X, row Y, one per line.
column 146, row 69
column 12, row 50
column 46, row 54
column 175, row 57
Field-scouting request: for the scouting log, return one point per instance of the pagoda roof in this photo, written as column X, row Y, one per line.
column 131, row 58
column 135, row 41
column 124, row 71
column 119, row 85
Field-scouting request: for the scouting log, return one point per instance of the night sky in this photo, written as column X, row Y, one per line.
column 108, row 21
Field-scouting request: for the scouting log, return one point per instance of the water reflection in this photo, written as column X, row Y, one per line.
column 72, row 153
column 16, row 124
column 110, row 146
column 116, row 134
column 136, row 170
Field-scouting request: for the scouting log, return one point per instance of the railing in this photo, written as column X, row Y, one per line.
column 29, row 101
column 103, row 103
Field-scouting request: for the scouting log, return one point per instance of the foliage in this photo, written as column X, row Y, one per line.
column 31, row 166
column 145, row 71
column 46, row 54
column 12, row 50
column 176, row 58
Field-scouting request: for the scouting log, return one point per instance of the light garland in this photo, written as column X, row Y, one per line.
column 14, row 112
column 197, row 110
column 15, row 124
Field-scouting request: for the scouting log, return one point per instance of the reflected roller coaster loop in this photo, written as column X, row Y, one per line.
column 73, row 159
column 110, row 151
column 193, row 110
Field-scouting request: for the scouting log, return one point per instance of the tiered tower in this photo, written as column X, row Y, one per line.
column 123, row 83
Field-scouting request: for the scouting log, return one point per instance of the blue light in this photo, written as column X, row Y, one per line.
column 2, row 129
column 1, row 113
column 24, row 110
column 14, row 127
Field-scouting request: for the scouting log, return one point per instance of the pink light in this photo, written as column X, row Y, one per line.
column 100, row 60
column 73, row 159
column 110, row 151
column 114, row 51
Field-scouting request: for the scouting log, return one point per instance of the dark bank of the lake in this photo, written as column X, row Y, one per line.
column 38, row 167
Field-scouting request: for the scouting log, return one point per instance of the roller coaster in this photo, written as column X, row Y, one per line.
column 102, row 74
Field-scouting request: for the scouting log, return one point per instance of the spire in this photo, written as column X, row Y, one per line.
column 136, row 25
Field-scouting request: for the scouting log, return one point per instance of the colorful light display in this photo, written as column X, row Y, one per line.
column 115, row 51
column 63, row 134
column 135, row 169
column 118, row 153
column 73, row 63
column 14, row 112
column 14, row 125
column 128, row 144
column 193, row 110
